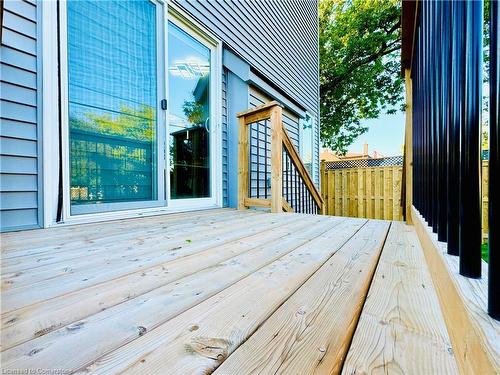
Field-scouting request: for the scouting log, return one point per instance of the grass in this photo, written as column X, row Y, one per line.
column 484, row 251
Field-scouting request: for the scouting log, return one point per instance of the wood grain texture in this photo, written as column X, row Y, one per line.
column 310, row 333
column 38, row 319
column 198, row 340
column 401, row 329
column 371, row 193
column 277, row 130
column 113, row 327
column 127, row 257
column 408, row 146
column 474, row 335
column 243, row 160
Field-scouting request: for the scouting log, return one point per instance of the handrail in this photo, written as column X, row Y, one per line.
column 281, row 147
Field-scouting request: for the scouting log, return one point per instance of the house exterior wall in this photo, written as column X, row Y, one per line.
column 19, row 125
column 277, row 38
column 275, row 43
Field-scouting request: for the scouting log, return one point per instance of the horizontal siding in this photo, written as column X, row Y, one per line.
column 277, row 38
column 21, row 59
column 18, row 94
column 18, row 117
column 17, row 129
column 18, row 219
column 290, row 120
column 17, row 182
column 18, row 200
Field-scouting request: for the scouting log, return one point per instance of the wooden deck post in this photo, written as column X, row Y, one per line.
column 242, row 163
column 276, row 160
column 408, row 148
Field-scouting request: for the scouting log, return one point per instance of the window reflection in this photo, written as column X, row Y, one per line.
column 306, row 149
column 189, row 115
column 112, row 101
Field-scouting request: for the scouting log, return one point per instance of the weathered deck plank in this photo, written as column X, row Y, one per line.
column 401, row 329
column 311, row 331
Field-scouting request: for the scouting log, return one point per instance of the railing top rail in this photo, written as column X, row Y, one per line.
column 259, row 109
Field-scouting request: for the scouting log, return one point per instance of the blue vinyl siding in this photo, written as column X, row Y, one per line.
column 278, row 38
column 19, row 145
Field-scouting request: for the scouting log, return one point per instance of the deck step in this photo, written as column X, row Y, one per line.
column 312, row 330
column 401, row 329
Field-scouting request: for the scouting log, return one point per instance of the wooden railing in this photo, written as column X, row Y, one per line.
column 270, row 171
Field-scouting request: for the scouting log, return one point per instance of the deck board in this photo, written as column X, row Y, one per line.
column 311, row 331
column 51, row 314
column 401, row 329
column 198, row 340
column 136, row 296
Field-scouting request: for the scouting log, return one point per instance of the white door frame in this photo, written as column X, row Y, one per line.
column 51, row 107
column 215, row 119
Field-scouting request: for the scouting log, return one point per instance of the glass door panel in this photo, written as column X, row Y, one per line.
column 189, row 115
column 112, row 92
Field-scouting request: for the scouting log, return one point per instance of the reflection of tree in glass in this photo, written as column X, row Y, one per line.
column 112, row 154
column 137, row 124
column 194, row 111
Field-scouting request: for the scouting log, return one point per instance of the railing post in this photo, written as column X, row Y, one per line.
column 322, row 178
column 276, row 159
column 242, row 163
column 408, row 160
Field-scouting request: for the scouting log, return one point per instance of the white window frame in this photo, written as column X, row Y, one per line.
column 53, row 79
column 302, row 139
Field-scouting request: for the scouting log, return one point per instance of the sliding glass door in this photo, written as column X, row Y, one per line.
column 140, row 122
column 113, row 86
column 189, row 115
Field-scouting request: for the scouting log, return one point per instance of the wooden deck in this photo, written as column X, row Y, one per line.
column 233, row 292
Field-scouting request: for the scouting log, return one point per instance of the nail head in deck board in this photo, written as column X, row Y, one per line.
column 312, row 330
column 401, row 328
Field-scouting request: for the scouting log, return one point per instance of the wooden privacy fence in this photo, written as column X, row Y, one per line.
column 372, row 192
column 375, row 192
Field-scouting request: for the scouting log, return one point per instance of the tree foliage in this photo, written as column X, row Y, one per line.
column 360, row 42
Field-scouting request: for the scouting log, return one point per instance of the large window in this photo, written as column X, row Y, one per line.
column 112, row 94
column 307, row 142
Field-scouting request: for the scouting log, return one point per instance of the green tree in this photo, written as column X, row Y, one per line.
column 360, row 42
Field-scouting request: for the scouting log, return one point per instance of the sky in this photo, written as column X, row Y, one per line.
column 385, row 134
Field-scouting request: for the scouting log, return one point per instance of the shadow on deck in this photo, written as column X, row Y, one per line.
column 229, row 291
